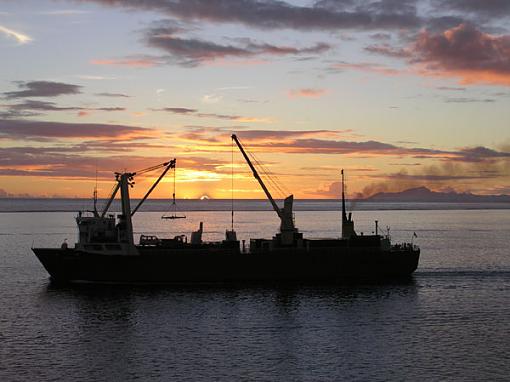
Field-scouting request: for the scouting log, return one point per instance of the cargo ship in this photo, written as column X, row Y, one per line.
column 107, row 253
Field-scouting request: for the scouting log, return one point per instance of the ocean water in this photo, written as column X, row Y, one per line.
column 450, row 322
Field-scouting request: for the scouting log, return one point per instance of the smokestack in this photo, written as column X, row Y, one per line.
column 347, row 223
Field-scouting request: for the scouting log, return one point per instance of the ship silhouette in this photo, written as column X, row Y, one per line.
column 106, row 251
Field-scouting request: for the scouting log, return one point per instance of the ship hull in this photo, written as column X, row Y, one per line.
column 153, row 265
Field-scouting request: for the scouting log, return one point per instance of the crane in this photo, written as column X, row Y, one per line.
column 287, row 229
column 124, row 181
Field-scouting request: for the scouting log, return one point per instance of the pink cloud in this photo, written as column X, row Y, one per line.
column 464, row 52
column 143, row 62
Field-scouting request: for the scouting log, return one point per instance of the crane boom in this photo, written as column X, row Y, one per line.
column 114, row 193
column 257, row 176
column 168, row 165
column 288, row 231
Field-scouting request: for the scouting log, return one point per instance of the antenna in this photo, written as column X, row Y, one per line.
column 95, row 195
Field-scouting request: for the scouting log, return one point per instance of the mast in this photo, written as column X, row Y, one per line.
column 125, row 223
column 96, row 214
column 285, row 213
column 344, row 214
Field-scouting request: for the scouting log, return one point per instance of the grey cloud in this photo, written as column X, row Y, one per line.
column 480, row 154
column 35, row 107
column 41, row 106
column 196, row 113
column 325, row 14
column 118, row 95
column 469, row 100
column 115, row 108
column 388, row 50
column 177, row 110
column 192, row 51
column 316, row 142
column 465, row 48
column 489, row 7
column 42, row 89
column 381, row 36
column 451, row 88
column 263, row 14
column 24, row 129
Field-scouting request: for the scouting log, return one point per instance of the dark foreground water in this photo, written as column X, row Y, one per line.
column 450, row 322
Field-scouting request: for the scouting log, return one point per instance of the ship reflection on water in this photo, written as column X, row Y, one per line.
column 224, row 331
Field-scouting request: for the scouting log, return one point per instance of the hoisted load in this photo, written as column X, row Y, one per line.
column 174, row 205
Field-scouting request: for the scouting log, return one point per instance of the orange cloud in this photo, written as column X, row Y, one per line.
column 368, row 67
column 306, row 93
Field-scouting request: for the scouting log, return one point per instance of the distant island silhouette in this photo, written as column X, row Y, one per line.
column 423, row 194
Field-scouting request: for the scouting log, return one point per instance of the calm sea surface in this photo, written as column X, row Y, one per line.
column 451, row 322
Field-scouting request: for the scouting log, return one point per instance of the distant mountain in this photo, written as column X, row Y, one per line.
column 423, row 194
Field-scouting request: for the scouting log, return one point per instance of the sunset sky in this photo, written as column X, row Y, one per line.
column 399, row 93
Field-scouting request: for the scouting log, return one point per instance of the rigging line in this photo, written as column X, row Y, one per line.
column 256, row 163
column 283, row 189
column 268, row 176
column 263, row 173
column 276, row 185
column 276, row 181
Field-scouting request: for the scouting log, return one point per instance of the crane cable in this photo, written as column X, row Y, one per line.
column 280, row 188
column 273, row 179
